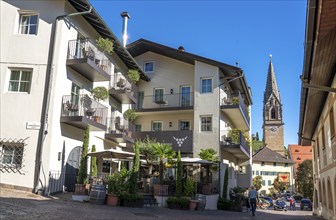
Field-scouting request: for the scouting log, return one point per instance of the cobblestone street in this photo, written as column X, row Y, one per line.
column 26, row 206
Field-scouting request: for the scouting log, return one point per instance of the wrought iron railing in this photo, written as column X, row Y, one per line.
column 83, row 105
column 12, row 155
column 80, row 49
column 119, row 82
column 166, row 101
column 117, row 125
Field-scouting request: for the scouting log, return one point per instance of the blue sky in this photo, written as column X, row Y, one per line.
column 228, row 31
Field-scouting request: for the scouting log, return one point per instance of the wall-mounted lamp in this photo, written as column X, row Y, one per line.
column 171, row 91
column 170, row 124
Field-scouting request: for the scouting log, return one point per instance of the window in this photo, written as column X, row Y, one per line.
column 263, row 183
column 286, row 164
column 332, row 123
column 252, row 172
column 274, row 164
column 262, row 163
column 273, row 113
column 318, row 147
column 184, row 125
column 156, row 126
column 206, row 85
column 149, row 67
column 270, row 182
column 11, row 154
column 158, row 96
column 242, row 169
column 106, row 166
column 185, row 96
column 323, row 139
column 137, row 127
column 20, row 81
column 257, row 172
column 28, row 23
column 206, row 123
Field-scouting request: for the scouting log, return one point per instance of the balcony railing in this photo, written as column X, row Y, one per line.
column 81, row 52
column 236, row 101
column 82, row 108
column 235, row 142
column 178, row 101
column 118, row 130
column 122, row 90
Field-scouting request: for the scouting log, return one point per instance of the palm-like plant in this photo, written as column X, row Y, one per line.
column 210, row 155
column 146, row 149
column 163, row 151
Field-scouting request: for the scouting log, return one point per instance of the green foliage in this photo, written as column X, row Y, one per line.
column 304, row 179
column 257, row 145
column 130, row 115
column 279, row 186
column 179, row 175
column 94, row 169
column 134, row 75
column 180, row 202
column 163, row 151
column 190, row 187
column 105, row 44
column 131, row 197
column 225, row 204
column 82, row 173
column 257, row 182
column 235, row 100
column 117, row 182
column 209, row 154
column 225, row 183
column 100, row 93
column 135, row 170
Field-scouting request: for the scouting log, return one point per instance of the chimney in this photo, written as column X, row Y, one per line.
column 181, row 48
column 125, row 17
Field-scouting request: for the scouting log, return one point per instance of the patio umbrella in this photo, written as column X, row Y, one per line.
column 112, row 153
column 192, row 160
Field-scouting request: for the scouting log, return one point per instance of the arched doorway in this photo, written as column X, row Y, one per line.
column 71, row 169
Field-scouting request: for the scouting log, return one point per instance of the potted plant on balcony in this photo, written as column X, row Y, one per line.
column 99, row 93
column 105, row 44
column 133, row 75
column 130, row 115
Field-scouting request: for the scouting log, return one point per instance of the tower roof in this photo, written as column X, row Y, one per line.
column 271, row 84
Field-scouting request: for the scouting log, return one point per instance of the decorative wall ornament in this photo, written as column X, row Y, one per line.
column 180, row 141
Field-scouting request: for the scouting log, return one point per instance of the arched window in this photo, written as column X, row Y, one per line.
column 273, row 113
column 330, row 198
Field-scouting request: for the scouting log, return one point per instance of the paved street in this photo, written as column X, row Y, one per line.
column 26, row 206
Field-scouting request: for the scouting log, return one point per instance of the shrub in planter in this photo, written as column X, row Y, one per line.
column 224, row 204
column 134, row 75
column 178, row 202
column 130, row 115
column 132, row 200
column 105, row 44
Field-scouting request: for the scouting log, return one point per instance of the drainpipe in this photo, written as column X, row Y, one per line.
column 46, row 103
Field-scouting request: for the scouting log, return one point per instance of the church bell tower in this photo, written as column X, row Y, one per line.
column 272, row 114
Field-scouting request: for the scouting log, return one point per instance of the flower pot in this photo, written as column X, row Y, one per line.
column 112, row 200
column 193, row 204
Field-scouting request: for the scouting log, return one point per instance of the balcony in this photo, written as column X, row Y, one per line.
column 234, row 142
column 166, row 102
column 123, row 91
column 79, row 111
column 89, row 61
column 235, row 109
column 118, row 131
column 179, row 140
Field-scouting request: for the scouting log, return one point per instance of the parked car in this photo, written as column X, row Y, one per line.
column 280, row 205
column 269, row 199
column 306, row 204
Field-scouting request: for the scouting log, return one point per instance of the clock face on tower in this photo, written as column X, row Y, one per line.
column 274, row 128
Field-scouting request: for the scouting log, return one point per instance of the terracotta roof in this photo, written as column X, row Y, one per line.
column 267, row 155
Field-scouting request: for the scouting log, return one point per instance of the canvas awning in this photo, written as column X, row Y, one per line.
column 112, row 153
column 191, row 160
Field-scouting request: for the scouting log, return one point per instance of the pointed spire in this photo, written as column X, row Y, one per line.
column 271, row 84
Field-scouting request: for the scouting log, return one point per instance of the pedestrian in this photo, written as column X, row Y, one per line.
column 291, row 203
column 253, row 197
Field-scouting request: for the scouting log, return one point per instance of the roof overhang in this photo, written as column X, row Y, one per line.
column 319, row 64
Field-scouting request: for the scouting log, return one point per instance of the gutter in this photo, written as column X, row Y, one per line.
column 41, row 188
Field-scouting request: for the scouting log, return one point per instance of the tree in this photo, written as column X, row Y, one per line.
column 179, row 175
column 257, row 182
column 135, row 170
column 279, row 186
column 225, row 183
column 146, row 148
column 304, row 179
column 257, row 136
column 82, row 173
column 94, row 169
column 209, row 154
column 163, row 151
